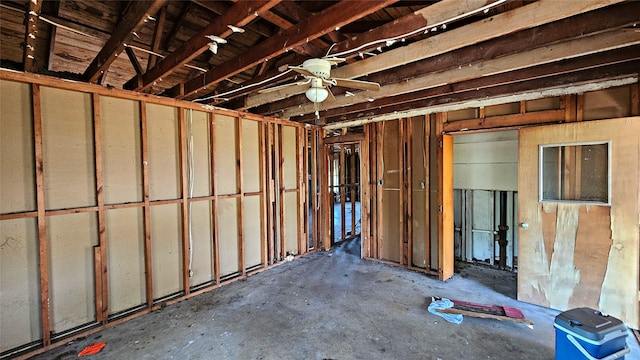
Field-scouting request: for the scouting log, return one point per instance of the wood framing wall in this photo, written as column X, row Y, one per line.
column 115, row 203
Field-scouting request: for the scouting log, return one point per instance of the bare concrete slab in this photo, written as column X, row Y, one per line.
column 331, row 305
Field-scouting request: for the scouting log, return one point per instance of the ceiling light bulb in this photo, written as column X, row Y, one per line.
column 317, row 94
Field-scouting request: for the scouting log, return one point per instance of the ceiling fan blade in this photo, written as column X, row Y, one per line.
column 330, row 94
column 357, row 84
column 302, row 71
column 334, row 60
column 283, row 86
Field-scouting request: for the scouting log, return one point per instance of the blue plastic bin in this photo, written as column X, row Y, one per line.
column 586, row 334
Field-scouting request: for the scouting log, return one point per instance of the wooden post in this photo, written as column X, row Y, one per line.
column 102, row 298
column 427, row 193
column 315, row 193
column 216, row 201
column 403, row 193
column 283, row 229
column 270, row 183
column 409, row 190
column 445, row 201
column 379, row 191
column 365, row 197
column 264, row 257
column 342, row 188
column 148, row 268
column 352, row 182
column 240, row 188
column 43, row 255
column 300, row 180
column 184, row 203
column 635, row 99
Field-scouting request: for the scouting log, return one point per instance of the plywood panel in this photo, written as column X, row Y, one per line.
column 164, row 173
column 71, row 282
column 551, row 103
column 291, row 222
column 290, row 158
column 502, row 109
column 419, row 182
column 392, row 171
column 225, row 153
column 17, row 177
column 607, row 103
column 462, row 114
column 616, row 284
column 125, row 258
column 198, row 134
column 121, row 150
column 166, row 249
column 252, row 234
column 250, row 156
column 202, row 238
column 228, row 236
column 68, row 149
column 19, row 281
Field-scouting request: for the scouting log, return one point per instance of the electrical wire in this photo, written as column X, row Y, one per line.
column 244, row 87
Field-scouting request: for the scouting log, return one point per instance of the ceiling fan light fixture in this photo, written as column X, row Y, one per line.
column 317, row 94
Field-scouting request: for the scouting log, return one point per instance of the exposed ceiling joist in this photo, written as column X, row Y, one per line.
column 314, row 27
column 238, row 15
column 131, row 21
column 31, row 32
column 535, row 57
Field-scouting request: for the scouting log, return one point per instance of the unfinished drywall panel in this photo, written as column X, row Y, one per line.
column 166, row 249
column 164, row 152
column 19, row 281
column 291, row 222
column 548, row 103
column 486, row 161
column 607, row 103
column 199, row 151
column 537, row 276
column 392, row 172
column 226, row 155
column 200, row 227
column 463, row 114
column 121, row 150
column 289, row 163
column 228, row 236
column 252, row 231
column 502, row 109
column 250, row 156
column 125, row 258
column 69, row 162
column 71, row 269
column 419, row 195
column 17, row 177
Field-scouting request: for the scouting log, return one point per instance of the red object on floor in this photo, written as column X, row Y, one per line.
column 92, row 349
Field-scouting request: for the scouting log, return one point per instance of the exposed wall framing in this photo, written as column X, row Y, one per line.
column 115, row 208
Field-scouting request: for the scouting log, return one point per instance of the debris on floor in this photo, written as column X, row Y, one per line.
column 496, row 312
column 443, row 304
column 92, row 349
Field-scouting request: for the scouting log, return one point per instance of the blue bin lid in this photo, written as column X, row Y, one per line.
column 588, row 323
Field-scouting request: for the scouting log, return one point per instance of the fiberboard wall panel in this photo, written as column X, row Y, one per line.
column 250, row 156
column 19, row 281
column 202, row 238
column 252, row 231
column 17, row 177
column 163, row 135
column 71, row 269
column 291, row 222
column 198, row 144
column 121, row 150
column 391, row 211
column 69, row 161
column 228, row 236
column 125, row 258
column 419, row 182
column 225, row 153
column 166, row 250
column 289, row 155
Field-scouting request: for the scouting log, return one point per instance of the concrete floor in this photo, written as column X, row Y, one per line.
column 332, row 305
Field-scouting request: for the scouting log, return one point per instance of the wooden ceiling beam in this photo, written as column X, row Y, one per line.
column 298, row 14
column 304, row 49
column 30, row 34
column 219, row 7
column 239, row 15
column 157, row 37
column 312, row 28
column 528, row 16
column 177, row 24
column 607, row 19
column 131, row 21
column 479, row 85
column 561, row 81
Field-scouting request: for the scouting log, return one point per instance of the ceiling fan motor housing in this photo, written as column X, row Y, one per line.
column 319, row 67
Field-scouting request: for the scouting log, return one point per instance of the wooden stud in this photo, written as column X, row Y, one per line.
column 327, row 197
column 342, row 188
column 264, row 257
column 402, row 183
column 635, row 99
column 148, row 268
column 409, row 191
column 97, row 276
column 329, row 212
column 300, row 180
column 379, row 178
column 42, row 222
column 579, row 107
column 280, row 171
column 216, row 200
column 445, row 201
column 184, row 204
column 102, row 288
column 315, row 192
column 270, row 183
column 365, row 198
column 427, row 193
column 240, row 184
column 353, row 185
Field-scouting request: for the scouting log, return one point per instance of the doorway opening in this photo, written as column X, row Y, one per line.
column 344, row 191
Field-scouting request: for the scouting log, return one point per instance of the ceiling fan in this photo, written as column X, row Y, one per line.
column 317, row 74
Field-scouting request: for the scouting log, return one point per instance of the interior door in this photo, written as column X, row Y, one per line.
column 574, row 251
